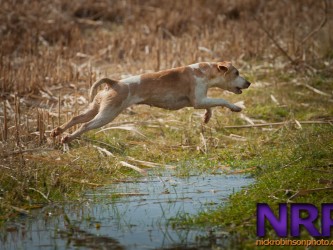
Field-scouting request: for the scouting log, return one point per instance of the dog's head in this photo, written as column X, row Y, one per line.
column 224, row 75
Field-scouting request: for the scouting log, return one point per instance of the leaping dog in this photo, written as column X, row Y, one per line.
column 169, row 89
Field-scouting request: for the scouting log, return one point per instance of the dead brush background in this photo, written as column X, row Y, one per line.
column 52, row 51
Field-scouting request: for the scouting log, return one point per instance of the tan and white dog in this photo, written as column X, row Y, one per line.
column 169, row 89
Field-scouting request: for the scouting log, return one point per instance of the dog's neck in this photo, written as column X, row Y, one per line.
column 219, row 82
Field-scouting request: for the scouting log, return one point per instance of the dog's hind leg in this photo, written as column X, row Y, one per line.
column 84, row 117
column 102, row 118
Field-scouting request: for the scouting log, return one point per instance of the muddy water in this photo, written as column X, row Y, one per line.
column 126, row 215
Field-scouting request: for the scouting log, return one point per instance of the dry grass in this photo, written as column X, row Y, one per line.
column 51, row 52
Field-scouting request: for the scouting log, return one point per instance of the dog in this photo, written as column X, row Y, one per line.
column 171, row 89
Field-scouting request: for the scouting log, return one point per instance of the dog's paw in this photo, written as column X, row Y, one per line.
column 65, row 139
column 235, row 108
column 55, row 132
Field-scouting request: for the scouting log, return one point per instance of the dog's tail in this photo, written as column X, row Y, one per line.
column 93, row 89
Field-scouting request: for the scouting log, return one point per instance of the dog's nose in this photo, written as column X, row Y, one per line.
column 247, row 84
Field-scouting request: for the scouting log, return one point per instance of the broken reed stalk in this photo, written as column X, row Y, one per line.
column 5, row 122
column 40, row 125
column 76, row 107
column 59, row 109
column 67, row 119
column 53, row 139
column 47, row 122
column 16, row 117
column 90, row 76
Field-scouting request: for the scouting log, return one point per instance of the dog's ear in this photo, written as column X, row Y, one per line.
column 223, row 67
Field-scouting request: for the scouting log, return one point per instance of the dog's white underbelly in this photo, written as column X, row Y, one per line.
column 167, row 101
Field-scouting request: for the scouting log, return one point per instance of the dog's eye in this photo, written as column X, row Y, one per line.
column 237, row 73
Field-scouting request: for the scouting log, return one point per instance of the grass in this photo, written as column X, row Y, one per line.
column 45, row 72
column 293, row 166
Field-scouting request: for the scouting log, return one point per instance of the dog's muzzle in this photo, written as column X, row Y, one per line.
column 247, row 84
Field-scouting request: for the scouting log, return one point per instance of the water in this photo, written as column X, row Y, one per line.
column 137, row 219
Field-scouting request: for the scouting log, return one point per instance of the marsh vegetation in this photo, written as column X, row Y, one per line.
column 52, row 51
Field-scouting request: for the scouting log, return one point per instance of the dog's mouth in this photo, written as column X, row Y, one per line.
column 238, row 90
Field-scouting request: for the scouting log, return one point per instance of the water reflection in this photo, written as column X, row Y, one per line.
column 126, row 215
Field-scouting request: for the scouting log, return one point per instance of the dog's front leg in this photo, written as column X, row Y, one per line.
column 206, row 103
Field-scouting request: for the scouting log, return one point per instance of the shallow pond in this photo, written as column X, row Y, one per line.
column 132, row 214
